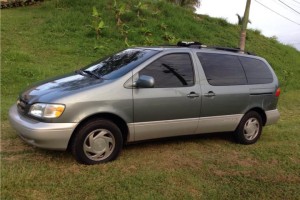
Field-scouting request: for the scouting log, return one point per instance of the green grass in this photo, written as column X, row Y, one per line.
column 52, row 38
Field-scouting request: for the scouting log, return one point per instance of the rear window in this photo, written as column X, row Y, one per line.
column 222, row 70
column 257, row 72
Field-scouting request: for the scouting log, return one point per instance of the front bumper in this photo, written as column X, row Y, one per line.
column 44, row 135
column 272, row 116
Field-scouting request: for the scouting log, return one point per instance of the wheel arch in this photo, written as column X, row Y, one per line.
column 120, row 122
column 261, row 112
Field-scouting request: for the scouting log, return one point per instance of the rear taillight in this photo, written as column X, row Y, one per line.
column 277, row 93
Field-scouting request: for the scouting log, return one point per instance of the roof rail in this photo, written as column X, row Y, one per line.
column 235, row 50
column 200, row 45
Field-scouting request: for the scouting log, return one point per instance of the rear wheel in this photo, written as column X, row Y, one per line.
column 249, row 129
column 97, row 141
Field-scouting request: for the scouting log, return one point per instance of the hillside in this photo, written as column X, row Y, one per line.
column 56, row 37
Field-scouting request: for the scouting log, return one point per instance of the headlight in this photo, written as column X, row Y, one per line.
column 43, row 110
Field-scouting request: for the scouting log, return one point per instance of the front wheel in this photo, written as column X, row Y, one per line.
column 97, row 141
column 249, row 129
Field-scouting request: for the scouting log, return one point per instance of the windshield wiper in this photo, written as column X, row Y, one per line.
column 86, row 72
column 92, row 74
column 79, row 71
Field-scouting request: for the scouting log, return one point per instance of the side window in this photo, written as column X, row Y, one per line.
column 221, row 69
column 257, row 71
column 172, row 70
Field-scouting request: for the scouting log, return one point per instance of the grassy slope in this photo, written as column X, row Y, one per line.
column 52, row 38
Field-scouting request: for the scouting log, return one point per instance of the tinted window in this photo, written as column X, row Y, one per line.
column 257, row 71
column 222, row 69
column 119, row 64
column 173, row 70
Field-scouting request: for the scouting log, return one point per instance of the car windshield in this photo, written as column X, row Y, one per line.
column 120, row 63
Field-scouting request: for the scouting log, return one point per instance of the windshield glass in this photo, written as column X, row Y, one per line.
column 120, row 63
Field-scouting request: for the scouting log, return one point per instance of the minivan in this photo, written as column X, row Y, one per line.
column 145, row 93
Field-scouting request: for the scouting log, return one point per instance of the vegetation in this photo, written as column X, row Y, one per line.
column 98, row 23
column 17, row 3
column 55, row 37
column 240, row 20
column 187, row 3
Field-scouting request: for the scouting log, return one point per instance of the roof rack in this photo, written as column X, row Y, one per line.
column 199, row 45
column 190, row 44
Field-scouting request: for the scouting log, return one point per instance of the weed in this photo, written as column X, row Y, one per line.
column 140, row 7
column 286, row 78
column 120, row 10
column 97, row 23
column 148, row 41
column 163, row 26
column 146, row 31
column 170, row 37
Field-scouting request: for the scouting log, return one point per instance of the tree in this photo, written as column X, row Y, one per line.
column 244, row 26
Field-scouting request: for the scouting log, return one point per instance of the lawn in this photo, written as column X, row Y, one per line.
column 45, row 40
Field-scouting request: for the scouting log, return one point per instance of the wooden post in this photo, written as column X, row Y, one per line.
column 244, row 26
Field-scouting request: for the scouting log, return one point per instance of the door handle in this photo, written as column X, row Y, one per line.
column 192, row 95
column 210, row 94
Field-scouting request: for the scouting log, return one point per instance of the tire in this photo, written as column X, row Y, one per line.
column 97, row 141
column 249, row 128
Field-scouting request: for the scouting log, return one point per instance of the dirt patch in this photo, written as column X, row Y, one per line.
column 236, row 158
column 221, row 173
column 13, row 158
column 13, row 146
column 182, row 161
column 294, row 160
column 247, row 162
column 281, row 177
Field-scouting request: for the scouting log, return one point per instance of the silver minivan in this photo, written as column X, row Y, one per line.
column 145, row 93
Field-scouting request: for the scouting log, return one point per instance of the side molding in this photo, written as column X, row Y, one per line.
column 221, row 123
column 169, row 128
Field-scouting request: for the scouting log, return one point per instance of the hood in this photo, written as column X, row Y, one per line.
column 55, row 88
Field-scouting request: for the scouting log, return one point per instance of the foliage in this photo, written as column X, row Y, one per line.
column 240, row 20
column 17, row 3
column 97, row 24
column 170, row 38
column 140, row 7
column 120, row 10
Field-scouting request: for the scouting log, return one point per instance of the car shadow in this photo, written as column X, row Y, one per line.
column 223, row 137
column 201, row 138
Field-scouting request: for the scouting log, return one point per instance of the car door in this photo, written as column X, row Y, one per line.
column 225, row 92
column 172, row 106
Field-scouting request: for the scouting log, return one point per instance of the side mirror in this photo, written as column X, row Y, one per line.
column 144, row 82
